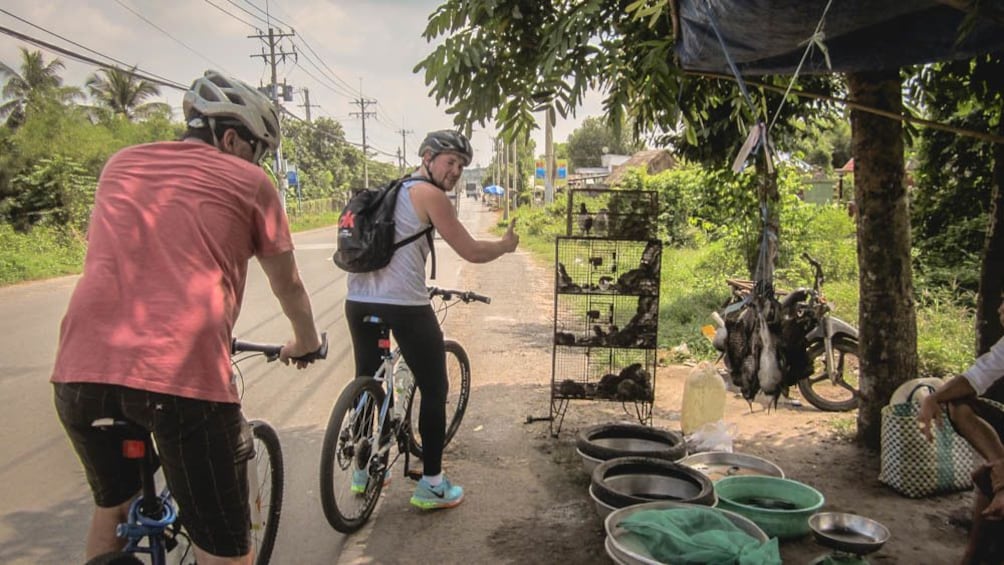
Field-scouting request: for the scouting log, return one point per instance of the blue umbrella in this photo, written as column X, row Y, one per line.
column 494, row 189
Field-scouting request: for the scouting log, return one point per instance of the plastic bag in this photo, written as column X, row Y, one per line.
column 713, row 436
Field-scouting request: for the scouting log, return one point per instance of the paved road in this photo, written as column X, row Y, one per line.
column 44, row 502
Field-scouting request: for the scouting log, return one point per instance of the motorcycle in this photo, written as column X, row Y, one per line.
column 827, row 375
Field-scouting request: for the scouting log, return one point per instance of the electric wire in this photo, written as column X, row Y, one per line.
column 175, row 39
column 85, row 59
column 253, row 15
column 319, row 81
column 220, row 8
column 268, row 15
column 74, row 43
column 369, row 147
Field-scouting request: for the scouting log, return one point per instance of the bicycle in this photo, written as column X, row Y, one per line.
column 153, row 516
column 364, row 426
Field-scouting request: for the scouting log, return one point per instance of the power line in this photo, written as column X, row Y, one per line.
column 85, row 59
column 220, row 8
column 335, row 87
column 241, row 8
column 321, row 59
column 268, row 16
column 318, row 81
column 175, row 39
column 70, row 41
column 317, row 131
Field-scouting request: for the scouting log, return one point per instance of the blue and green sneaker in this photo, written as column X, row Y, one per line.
column 443, row 495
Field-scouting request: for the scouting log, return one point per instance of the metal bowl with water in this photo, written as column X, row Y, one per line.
column 847, row 532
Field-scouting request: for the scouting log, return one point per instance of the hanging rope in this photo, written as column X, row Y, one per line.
column 816, row 39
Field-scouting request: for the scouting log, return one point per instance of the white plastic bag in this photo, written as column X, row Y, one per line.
column 713, row 436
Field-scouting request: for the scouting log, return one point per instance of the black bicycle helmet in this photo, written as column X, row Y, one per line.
column 448, row 141
column 214, row 96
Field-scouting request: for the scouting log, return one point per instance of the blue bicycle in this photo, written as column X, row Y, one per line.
column 153, row 528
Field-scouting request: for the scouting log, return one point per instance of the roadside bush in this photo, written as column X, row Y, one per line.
column 45, row 251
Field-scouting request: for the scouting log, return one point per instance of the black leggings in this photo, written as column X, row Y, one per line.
column 417, row 332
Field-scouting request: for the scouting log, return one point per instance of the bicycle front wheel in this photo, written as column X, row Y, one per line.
column 458, row 374
column 350, row 482
column 265, row 489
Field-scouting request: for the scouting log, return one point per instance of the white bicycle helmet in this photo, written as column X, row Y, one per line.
column 214, row 95
column 449, row 141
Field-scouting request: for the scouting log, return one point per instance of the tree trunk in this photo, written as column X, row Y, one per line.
column 988, row 324
column 887, row 319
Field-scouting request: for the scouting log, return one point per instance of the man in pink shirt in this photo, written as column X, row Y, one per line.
column 982, row 424
column 146, row 336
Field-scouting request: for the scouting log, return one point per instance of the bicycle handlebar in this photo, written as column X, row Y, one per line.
column 271, row 351
column 464, row 295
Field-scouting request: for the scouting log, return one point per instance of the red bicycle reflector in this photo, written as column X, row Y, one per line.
column 384, row 344
column 133, row 449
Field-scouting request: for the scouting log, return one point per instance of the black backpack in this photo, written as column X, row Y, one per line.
column 366, row 230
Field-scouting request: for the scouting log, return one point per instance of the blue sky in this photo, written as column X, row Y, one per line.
column 345, row 45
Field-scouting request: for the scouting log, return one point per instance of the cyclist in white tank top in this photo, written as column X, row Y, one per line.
column 397, row 294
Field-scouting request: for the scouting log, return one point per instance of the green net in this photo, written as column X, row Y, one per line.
column 698, row 536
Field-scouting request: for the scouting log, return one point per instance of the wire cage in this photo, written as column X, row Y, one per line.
column 588, row 265
column 604, row 373
column 612, row 214
column 606, row 317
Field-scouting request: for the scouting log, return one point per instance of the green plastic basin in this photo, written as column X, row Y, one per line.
column 781, row 507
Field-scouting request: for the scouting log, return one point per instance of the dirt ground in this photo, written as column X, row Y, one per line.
column 526, row 491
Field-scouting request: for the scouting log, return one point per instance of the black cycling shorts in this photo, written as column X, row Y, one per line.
column 203, row 447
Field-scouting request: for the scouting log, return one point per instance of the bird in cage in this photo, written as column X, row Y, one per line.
column 585, row 219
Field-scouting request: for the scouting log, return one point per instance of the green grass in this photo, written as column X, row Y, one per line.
column 45, row 252
column 306, row 222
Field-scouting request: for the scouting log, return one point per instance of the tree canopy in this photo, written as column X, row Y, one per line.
column 124, row 94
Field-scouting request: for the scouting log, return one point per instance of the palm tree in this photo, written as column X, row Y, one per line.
column 123, row 93
column 37, row 78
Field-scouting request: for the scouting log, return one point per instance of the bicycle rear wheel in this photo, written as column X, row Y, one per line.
column 350, row 441
column 265, row 489
column 458, row 374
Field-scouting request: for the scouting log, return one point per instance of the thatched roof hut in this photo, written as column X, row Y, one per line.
column 654, row 161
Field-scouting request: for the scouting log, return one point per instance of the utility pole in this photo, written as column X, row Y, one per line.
column 549, row 155
column 272, row 59
column 306, row 103
column 404, row 147
column 363, row 114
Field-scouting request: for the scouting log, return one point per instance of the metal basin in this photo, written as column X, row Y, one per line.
column 624, row 547
column 625, row 481
column 588, row 463
column 609, row 441
column 849, row 533
column 720, row 464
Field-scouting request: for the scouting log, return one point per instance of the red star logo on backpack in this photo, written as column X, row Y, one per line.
column 347, row 221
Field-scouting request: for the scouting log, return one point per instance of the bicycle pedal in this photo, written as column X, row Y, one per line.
column 413, row 475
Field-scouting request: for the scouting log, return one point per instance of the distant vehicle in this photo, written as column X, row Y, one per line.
column 472, row 190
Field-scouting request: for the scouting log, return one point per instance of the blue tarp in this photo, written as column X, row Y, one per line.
column 769, row 36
